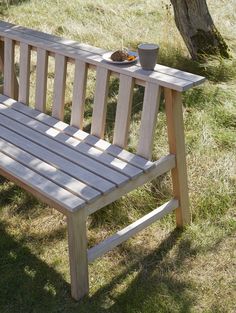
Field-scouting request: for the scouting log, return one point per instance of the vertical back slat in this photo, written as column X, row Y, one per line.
column 79, row 91
column 1, row 61
column 59, row 87
column 41, row 80
column 148, row 120
column 123, row 111
column 100, row 102
column 1, row 55
column 24, row 76
column 8, row 88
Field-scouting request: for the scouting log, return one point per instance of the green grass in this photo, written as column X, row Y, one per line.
column 161, row 269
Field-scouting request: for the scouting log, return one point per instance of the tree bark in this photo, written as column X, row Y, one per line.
column 197, row 28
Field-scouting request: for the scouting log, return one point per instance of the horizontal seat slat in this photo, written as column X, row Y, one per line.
column 62, row 150
column 93, row 141
column 47, row 189
column 77, row 145
column 161, row 166
column 48, row 171
column 55, row 160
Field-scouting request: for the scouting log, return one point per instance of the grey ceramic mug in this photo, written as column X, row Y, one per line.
column 148, row 55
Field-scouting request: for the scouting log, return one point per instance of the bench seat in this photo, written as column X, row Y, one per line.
column 66, row 167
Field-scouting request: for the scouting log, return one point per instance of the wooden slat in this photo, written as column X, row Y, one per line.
column 100, row 102
column 73, row 143
column 79, row 90
column 24, row 76
column 148, row 120
column 41, row 80
column 97, row 60
column 175, row 127
column 77, row 243
column 196, row 79
column 1, row 62
column 44, row 187
column 123, row 111
column 65, row 151
column 1, row 56
column 59, row 87
column 93, row 141
column 48, row 171
column 162, row 166
column 124, row 234
column 8, row 88
column 55, row 160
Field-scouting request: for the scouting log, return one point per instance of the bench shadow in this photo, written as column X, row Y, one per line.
column 28, row 284
column 4, row 5
column 215, row 69
column 20, row 201
column 151, row 287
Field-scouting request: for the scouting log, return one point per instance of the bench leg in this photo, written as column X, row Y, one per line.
column 77, row 239
column 175, row 125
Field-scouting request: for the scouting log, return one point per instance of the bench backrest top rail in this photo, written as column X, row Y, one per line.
column 162, row 75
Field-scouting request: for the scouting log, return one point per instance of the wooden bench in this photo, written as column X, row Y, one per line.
column 71, row 170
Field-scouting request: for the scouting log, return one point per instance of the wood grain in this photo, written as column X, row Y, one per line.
column 123, row 111
column 175, row 127
column 148, row 120
column 100, row 102
column 79, row 91
column 59, row 87
column 41, row 80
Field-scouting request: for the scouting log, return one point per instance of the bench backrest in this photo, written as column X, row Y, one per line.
column 83, row 57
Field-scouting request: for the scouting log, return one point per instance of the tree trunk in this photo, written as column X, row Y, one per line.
column 197, row 28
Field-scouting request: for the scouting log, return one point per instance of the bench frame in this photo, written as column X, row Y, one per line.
column 171, row 81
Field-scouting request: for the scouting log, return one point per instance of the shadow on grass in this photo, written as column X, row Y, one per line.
column 28, row 284
column 5, row 4
column 215, row 69
column 21, row 202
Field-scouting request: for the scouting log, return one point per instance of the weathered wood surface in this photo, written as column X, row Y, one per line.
column 41, row 80
column 43, row 188
column 123, row 111
column 77, row 243
column 79, row 91
column 148, row 120
column 115, row 154
column 176, row 80
column 30, row 142
column 24, row 78
column 59, row 87
column 175, row 128
column 76, row 172
column 100, row 102
column 129, row 231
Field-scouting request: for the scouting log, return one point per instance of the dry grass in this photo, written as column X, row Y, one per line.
column 161, row 269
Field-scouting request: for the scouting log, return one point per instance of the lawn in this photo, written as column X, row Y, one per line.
column 162, row 269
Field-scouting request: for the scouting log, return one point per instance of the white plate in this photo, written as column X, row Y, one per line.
column 107, row 58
